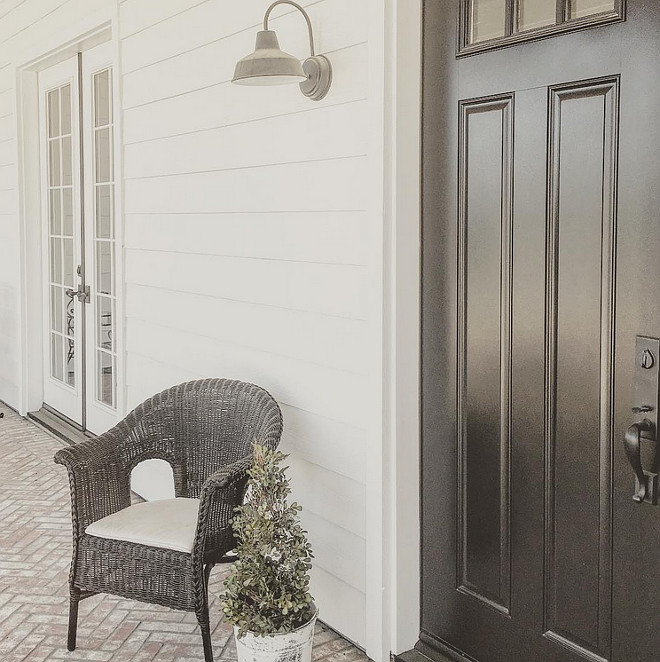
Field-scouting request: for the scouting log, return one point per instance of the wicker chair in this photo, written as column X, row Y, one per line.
column 205, row 430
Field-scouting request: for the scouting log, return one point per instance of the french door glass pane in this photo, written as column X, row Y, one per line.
column 67, row 212
column 56, row 260
column 56, row 308
column 56, row 357
column 67, row 164
column 106, row 378
column 105, row 310
column 54, row 113
column 61, row 258
column 104, row 229
column 536, row 14
column 487, row 20
column 67, row 262
column 70, row 361
column 55, row 212
column 580, row 8
column 65, row 99
column 69, row 314
column 104, row 240
column 54, row 162
column 103, row 156
column 104, row 270
column 102, row 92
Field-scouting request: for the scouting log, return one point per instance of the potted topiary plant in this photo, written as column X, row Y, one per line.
column 267, row 597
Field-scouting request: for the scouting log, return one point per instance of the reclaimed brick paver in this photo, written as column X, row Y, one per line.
column 35, row 552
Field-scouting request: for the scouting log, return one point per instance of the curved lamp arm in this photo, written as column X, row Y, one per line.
column 301, row 10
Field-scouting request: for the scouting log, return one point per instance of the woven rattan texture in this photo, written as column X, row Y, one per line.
column 205, row 430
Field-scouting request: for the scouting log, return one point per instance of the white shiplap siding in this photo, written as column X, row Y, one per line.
column 248, row 246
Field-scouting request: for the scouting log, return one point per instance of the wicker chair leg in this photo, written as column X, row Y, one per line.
column 73, row 619
column 203, row 615
column 205, row 627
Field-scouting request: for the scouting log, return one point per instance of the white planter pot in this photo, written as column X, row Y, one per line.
column 294, row 646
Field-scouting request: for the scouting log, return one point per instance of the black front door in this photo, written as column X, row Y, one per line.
column 541, row 267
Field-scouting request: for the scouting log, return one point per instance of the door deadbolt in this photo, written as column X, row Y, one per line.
column 648, row 360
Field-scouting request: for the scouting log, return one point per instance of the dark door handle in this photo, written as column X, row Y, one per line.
column 632, row 446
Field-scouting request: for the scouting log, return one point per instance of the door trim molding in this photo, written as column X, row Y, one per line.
column 91, row 31
column 393, row 474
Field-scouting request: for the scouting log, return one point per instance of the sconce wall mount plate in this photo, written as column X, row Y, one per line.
column 269, row 65
column 319, row 77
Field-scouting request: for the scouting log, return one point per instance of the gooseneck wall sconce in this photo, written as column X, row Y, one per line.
column 269, row 65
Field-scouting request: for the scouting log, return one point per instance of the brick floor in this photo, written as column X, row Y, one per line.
column 35, row 552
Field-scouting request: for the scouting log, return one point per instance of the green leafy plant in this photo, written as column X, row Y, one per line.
column 267, row 589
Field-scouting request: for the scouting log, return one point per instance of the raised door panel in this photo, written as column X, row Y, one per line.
column 580, row 308
column 485, row 349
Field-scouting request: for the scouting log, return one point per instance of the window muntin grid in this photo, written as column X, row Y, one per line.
column 61, row 247
column 105, row 354
column 489, row 24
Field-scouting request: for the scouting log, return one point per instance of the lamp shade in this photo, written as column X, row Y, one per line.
column 268, row 65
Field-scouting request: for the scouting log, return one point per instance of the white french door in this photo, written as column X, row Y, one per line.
column 81, row 331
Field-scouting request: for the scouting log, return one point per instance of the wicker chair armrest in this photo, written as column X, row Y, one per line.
column 221, row 494
column 229, row 474
column 99, row 484
column 94, row 452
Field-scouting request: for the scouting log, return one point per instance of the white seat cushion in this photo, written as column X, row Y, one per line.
column 169, row 524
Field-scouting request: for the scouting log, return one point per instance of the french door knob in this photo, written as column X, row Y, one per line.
column 82, row 293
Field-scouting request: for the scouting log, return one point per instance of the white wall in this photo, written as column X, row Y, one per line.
column 252, row 240
column 246, row 232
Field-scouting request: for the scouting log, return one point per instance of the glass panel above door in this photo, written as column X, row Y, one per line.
column 582, row 8
column 490, row 24
column 534, row 14
column 487, row 20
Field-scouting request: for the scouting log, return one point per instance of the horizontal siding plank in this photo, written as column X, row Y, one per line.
column 331, row 496
column 7, row 6
column 9, row 201
column 325, row 441
column 9, row 390
column 7, row 100
column 336, row 551
column 7, row 127
column 8, row 177
column 25, row 15
column 37, row 21
column 226, row 104
column 330, row 237
column 8, row 152
column 190, row 70
column 316, row 389
column 137, row 15
column 146, row 376
column 326, row 133
column 210, row 23
column 341, row 606
column 329, row 289
column 329, row 341
column 336, row 185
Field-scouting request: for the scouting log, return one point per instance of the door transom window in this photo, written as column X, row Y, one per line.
column 490, row 24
